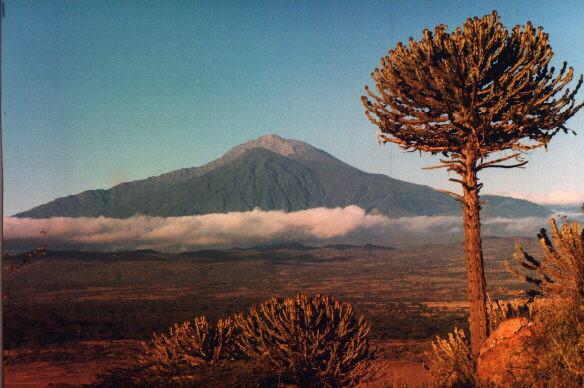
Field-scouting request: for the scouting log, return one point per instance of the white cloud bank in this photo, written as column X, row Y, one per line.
column 244, row 229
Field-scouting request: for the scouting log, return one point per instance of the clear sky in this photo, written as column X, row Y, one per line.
column 100, row 92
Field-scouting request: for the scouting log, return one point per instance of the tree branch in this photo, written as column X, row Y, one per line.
column 457, row 197
column 518, row 165
column 516, row 156
column 445, row 165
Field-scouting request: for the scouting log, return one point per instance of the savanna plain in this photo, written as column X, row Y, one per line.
column 71, row 316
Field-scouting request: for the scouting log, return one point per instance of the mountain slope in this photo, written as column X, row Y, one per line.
column 270, row 173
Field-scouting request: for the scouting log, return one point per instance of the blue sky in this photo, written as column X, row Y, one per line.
column 97, row 93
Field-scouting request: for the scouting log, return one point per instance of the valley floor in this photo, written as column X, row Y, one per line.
column 71, row 316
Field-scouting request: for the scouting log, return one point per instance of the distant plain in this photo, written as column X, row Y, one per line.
column 72, row 315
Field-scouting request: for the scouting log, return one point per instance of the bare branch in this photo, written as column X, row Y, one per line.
column 516, row 156
column 445, row 165
column 458, row 197
column 518, row 165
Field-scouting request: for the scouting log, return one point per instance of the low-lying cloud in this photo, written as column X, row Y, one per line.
column 317, row 226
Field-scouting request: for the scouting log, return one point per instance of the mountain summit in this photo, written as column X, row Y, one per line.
column 270, row 173
column 276, row 144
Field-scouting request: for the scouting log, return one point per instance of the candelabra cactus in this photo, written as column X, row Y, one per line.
column 304, row 340
column 561, row 272
column 481, row 95
column 190, row 344
column 314, row 340
column 557, row 293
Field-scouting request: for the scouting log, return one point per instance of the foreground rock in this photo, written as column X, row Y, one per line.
column 505, row 357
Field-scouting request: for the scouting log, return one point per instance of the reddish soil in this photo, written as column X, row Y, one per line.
column 78, row 364
column 72, row 365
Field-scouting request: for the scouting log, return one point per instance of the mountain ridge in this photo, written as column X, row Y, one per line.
column 270, row 173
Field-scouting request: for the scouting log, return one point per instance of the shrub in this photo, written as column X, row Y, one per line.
column 190, row 344
column 309, row 340
column 561, row 271
column 560, row 347
column 557, row 290
column 450, row 362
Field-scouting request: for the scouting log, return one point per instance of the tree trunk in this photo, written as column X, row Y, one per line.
column 477, row 290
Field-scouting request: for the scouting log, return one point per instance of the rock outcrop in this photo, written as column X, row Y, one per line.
column 505, row 357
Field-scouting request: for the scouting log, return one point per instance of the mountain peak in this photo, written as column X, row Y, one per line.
column 274, row 143
column 290, row 148
column 270, row 137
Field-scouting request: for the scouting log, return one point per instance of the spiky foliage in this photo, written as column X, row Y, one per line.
column 561, row 270
column 309, row 341
column 189, row 344
column 450, row 362
column 500, row 310
column 480, row 85
column 557, row 286
column 469, row 95
column 314, row 340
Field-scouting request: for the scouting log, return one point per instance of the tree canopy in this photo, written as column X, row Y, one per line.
column 480, row 86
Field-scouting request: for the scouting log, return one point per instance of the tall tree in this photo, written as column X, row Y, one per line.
column 480, row 96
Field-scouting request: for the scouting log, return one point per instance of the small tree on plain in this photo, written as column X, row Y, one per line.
column 480, row 96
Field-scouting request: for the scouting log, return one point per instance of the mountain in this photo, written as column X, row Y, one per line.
column 270, row 173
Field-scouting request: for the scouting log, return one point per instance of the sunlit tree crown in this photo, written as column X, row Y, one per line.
column 480, row 86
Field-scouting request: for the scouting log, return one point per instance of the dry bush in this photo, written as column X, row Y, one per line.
column 450, row 362
column 500, row 310
column 308, row 341
column 313, row 341
column 190, row 344
column 560, row 347
column 561, row 271
column 557, row 282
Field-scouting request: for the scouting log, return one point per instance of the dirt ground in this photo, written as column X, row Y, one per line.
column 69, row 365
column 74, row 315
column 78, row 364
